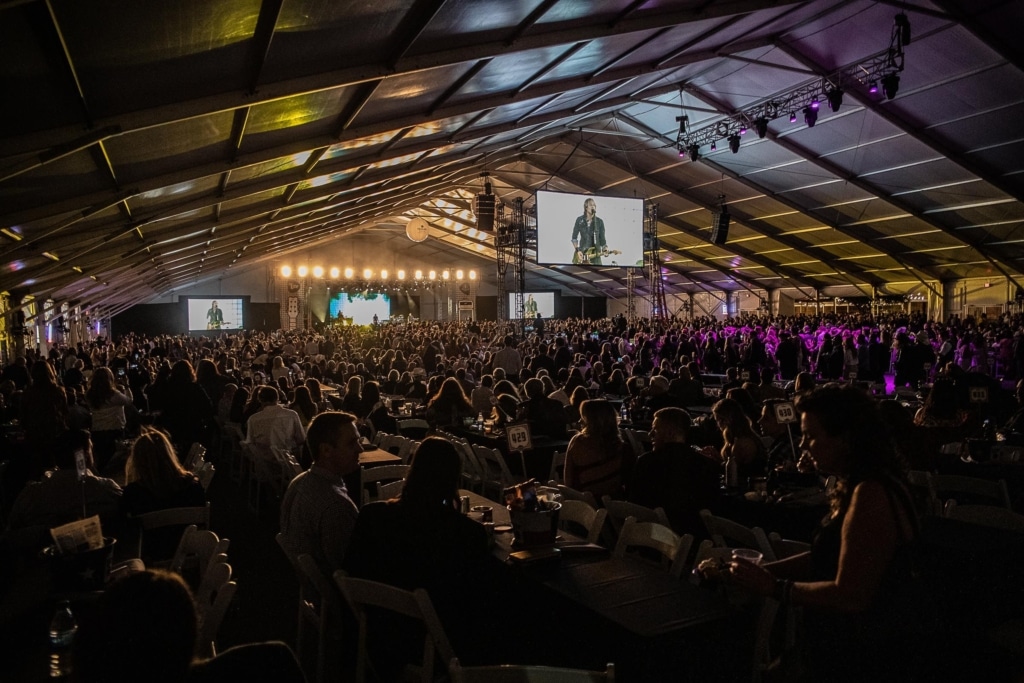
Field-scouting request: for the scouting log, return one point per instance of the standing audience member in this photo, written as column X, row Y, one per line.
column 44, row 414
column 187, row 412
column 110, row 409
column 317, row 514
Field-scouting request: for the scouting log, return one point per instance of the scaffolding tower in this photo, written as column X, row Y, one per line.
column 514, row 237
column 652, row 265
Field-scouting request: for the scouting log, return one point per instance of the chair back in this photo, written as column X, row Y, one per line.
column 415, row 428
column 572, row 494
column 785, row 547
column 392, row 489
column 212, row 601
column 327, row 606
column 578, row 512
column 986, row 515
column 992, row 492
column 197, row 549
column 729, row 534
column 674, row 549
column 495, row 473
column 360, row 594
column 619, row 510
column 372, row 477
column 557, row 470
column 518, row 673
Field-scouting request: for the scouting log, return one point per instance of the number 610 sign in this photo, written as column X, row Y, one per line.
column 785, row 413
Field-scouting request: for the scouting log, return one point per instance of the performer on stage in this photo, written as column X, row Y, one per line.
column 530, row 307
column 588, row 241
column 214, row 317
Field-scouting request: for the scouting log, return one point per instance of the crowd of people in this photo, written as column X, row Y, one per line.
column 316, row 393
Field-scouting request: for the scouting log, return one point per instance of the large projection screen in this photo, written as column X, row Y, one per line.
column 216, row 313
column 535, row 302
column 608, row 231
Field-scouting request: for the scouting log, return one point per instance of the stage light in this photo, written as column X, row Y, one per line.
column 761, row 127
column 810, row 116
column 383, row 275
column 349, row 273
column 303, row 271
column 873, row 87
column 694, row 152
column 472, row 275
column 445, row 274
column 734, row 143
column 792, row 117
column 367, row 274
column 903, row 25
column 815, row 103
column 835, row 98
column 401, row 275
column 459, row 274
column 743, row 129
column 432, row 275
column 890, row 84
column 318, row 271
column 419, row 275
column 714, row 146
column 335, row 272
column 682, row 152
column 286, row 271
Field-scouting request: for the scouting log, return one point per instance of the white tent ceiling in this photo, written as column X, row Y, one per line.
column 147, row 146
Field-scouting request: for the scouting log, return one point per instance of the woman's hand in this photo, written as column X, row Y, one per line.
column 751, row 577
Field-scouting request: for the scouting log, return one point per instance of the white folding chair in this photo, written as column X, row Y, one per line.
column 472, row 477
column 372, row 476
column 569, row 493
column 729, row 534
column 154, row 524
column 946, row 486
column 389, row 490
column 784, row 547
column 495, row 474
column 327, row 607
column 519, row 673
column 360, row 594
column 674, row 549
column 555, row 473
column 197, row 550
column 619, row 510
column 213, row 598
column 578, row 512
column 414, row 428
column 986, row 515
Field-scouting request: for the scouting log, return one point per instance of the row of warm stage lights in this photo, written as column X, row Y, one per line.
column 335, row 273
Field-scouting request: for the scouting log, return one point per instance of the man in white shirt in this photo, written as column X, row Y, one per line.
column 274, row 426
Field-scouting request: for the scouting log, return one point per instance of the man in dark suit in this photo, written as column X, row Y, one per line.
column 674, row 475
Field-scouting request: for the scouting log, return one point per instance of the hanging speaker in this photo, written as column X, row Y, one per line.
column 485, row 212
column 719, row 227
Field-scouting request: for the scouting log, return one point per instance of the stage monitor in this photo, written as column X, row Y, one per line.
column 208, row 313
column 534, row 303
column 579, row 229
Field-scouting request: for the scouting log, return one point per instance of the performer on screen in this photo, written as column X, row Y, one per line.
column 214, row 317
column 588, row 241
column 530, row 307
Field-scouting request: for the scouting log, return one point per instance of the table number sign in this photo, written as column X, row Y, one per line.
column 518, row 437
column 852, row 375
column 745, row 376
column 785, row 413
column 978, row 394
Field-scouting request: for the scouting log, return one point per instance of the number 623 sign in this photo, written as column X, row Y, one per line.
column 518, row 437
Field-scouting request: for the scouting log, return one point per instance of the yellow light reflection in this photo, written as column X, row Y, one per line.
column 286, row 271
column 318, row 271
column 303, row 271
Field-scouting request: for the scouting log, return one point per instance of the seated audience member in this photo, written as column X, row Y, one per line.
column 686, row 389
column 782, row 450
column 546, row 416
column 449, row 406
column 157, row 481
column 378, row 414
column 274, row 426
column 572, row 411
column 658, row 395
column 420, row 540
column 741, row 441
column 60, row 496
column 597, row 459
column 674, row 475
column 144, row 628
column 317, row 514
column 767, row 389
column 481, row 396
column 302, row 404
column 941, row 407
column 866, row 617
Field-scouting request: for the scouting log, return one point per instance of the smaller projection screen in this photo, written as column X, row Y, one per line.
column 579, row 229
column 534, row 303
column 360, row 307
column 216, row 313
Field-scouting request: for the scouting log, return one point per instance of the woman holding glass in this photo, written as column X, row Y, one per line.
column 857, row 584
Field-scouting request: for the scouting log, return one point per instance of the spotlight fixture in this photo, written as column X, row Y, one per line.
column 682, row 151
column 810, row 116
column 743, row 129
column 419, row 275
column 714, row 146
column 286, row 271
column 318, row 272
column 335, row 272
column 890, row 84
column 349, row 273
column 792, row 117
column 694, row 152
column 445, row 274
column 835, row 98
column 367, row 274
column 432, row 275
column 383, row 275
column 734, row 143
column 401, row 274
column 472, row 275
column 761, row 127
column 873, row 87
column 303, row 271
column 815, row 103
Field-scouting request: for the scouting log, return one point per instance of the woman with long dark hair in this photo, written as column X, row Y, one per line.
column 597, row 459
column 109, row 409
column 864, row 609
column 449, row 405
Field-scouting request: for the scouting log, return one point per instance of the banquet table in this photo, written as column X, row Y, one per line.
column 537, row 460
column 593, row 608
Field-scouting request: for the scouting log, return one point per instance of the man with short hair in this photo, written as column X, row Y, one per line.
column 274, row 426
column 508, row 358
column 317, row 513
column 674, row 475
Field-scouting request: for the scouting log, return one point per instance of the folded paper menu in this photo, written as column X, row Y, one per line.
column 77, row 537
